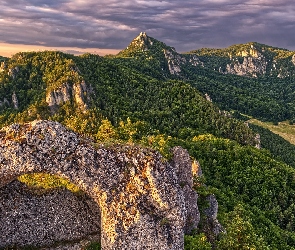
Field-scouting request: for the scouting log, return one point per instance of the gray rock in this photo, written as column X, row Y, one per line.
column 14, row 100
column 185, row 170
column 27, row 218
column 212, row 224
column 141, row 203
column 78, row 92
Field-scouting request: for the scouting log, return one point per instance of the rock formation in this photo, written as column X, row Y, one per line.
column 45, row 219
column 141, row 203
column 254, row 64
column 185, row 171
column 77, row 92
column 14, row 101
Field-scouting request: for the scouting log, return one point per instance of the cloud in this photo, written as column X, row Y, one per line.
column 112, row 24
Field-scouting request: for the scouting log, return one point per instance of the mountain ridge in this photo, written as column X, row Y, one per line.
column 250, row 59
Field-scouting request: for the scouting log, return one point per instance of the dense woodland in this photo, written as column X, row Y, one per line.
column 133, row 98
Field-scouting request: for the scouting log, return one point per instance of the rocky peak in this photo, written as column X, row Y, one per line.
column 143, row 41
column 140, row 43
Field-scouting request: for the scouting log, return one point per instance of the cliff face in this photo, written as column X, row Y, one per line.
column 250, row 59
column 144, row 201
column 254, row 64
column 78, row 92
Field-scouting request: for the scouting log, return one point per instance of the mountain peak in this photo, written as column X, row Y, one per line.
column 144, row 45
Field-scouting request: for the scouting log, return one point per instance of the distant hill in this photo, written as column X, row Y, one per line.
column 251, row 59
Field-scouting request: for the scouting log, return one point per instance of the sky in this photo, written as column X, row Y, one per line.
column 108, row 26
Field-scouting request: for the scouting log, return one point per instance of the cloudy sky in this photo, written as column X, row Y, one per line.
column 106, row 26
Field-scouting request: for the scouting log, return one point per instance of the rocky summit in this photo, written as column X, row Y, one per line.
column 135, row 198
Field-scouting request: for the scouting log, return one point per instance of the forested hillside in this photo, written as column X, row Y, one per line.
column 151, row 95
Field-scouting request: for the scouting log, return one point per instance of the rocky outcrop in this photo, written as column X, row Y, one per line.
column 78, row 92
column 28, row 218
column 13, row 72
column 174, row 62
column 257, row 141
column 254, row 64
column 185, row 170
column 59, row 96
column 212, row 225
column 141, row 203
column 5, row 102
column 14, row 101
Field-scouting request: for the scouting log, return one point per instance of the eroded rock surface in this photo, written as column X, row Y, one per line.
column 185, row 169
column 141, row 202
column 254, row 64
column 27, row 218
column 78, row 92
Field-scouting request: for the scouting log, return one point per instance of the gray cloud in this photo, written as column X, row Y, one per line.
column 185, row 25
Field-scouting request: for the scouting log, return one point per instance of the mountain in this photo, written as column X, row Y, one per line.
column 149, row 48
column 153, row 96
column 251, row 59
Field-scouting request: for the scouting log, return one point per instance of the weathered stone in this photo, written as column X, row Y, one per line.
column 4, row 102
column 212, row 224
column 78, row 92
column 59, row 95
column 252, row 65
column 174, row 61
column 141, row 203
column 185, row 168
column 27, row 218
column 257, row 141
column 14, row 100
column 13, row 72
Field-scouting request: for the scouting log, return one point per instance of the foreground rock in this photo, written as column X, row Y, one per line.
column 141, row 203
column 56, row 216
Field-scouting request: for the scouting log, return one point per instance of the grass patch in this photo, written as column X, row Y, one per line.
column 283, row 129
column 43, row 181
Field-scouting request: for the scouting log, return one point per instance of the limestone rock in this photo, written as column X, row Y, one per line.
column 141, row 203
column 13, row 72
column 252, row 65
column 79, row 92
column 59, row 95
column 27, row 218
column 14, row 100
column 174, row 61
column 4, row 102
column 212, row 224
column 258, row 141
column 185, row 168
